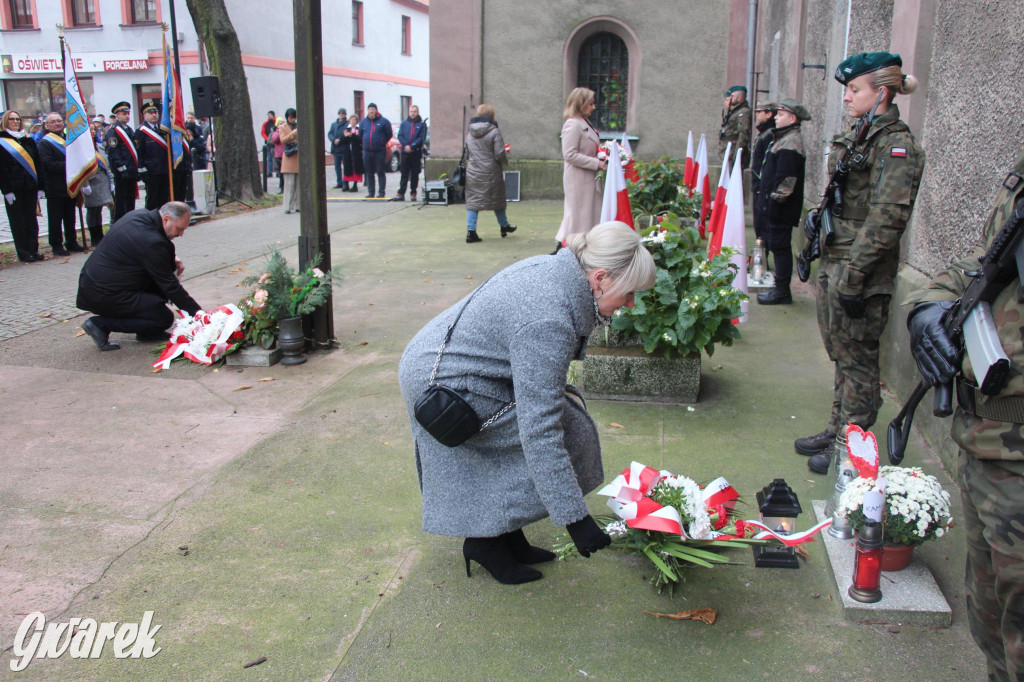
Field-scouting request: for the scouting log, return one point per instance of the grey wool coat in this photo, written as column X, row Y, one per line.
column 100, row 184
column 485, row 162
column 513, row 342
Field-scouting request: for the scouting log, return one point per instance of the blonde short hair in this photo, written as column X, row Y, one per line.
column 578, row 98
column 614, row 246
column 485, row 110
column 892, row 78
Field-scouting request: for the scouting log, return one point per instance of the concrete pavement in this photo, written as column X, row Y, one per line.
column 280, row 518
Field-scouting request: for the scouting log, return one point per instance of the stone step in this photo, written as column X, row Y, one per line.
column 909, row 597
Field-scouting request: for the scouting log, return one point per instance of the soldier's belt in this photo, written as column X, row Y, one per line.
column 1001, row 409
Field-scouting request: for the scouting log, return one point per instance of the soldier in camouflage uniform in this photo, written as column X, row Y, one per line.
column 736, row 123
column 991, row 460
column 857, row 272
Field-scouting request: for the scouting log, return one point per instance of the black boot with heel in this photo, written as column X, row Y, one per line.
column 523, row 551
column 497, row 558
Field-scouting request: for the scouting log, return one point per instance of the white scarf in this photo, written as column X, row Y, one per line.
column 16, row 133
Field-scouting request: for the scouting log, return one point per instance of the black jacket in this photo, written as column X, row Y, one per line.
column 781, row 192
column 13, row 177
column 152, row 154
column 55, row 181
column 122, row 160
column 761, row 144
column 136, row 257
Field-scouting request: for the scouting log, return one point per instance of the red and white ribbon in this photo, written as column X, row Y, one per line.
column 182, row 344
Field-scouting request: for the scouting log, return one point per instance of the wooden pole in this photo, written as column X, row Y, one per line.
column 309, row 97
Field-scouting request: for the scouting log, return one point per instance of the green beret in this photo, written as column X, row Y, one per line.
column 736, row 88
column 767, row 106
column 865, row 62
column 799, row 110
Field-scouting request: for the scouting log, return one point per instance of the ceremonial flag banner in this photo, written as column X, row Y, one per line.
column 79, row 149
column 615, row 205
column 718, row 206
column 734, row 229
column 172, row 117
column 690, row 169
column 703, row 184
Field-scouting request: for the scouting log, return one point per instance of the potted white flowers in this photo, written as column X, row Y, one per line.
column 916, row 510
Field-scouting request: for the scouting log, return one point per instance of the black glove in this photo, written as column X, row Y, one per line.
column 588, row 536
column 855, row 306
column 937, row 357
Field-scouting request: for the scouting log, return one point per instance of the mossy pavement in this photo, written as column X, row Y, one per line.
column 305, row 547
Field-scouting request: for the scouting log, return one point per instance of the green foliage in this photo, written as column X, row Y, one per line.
column 692, row 304
column 279, row 293
column 659, row 189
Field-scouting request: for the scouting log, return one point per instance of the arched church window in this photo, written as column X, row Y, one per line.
column 604, row 68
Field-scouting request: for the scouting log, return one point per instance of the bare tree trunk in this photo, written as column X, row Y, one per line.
column 238, row 171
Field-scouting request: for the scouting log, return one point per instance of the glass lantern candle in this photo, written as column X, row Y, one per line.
column 779, row 508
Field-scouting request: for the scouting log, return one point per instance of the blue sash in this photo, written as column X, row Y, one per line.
column 57, row 141
column 20, row 155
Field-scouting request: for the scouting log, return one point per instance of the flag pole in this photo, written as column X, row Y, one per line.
column 170, row 160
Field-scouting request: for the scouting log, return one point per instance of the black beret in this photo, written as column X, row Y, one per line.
column 865, row 62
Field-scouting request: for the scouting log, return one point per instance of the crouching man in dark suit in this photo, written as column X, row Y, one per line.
column 131, row 275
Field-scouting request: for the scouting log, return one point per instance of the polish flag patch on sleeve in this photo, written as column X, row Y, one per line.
column 899, row 152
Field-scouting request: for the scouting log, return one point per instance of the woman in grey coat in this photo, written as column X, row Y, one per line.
column 99, row 194
column 485, row 179
column 514, row 342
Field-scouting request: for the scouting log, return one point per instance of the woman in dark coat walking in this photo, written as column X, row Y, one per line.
column 513, row 344
column 20, row 173
column 485, row 179
column 352, row 155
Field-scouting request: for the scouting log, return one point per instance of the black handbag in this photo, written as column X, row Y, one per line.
column 459, row 174
column 291, row 149
column 443, row 412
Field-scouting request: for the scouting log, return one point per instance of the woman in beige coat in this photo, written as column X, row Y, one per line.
column 289, row 132
column 579, row 178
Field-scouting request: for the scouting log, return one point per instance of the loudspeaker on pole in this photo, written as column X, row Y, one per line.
column 206, row 96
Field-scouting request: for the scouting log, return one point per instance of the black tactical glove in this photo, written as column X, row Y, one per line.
column 588, row 536
column 854, row 305
column 937, row 357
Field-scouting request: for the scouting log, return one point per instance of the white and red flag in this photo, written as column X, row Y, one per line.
column 703, row 184
column 734, row 230
column 690, row 169
column 79, row 149
column 718, row 206
column 615, row 205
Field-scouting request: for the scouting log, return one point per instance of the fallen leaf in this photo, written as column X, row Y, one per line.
column 438, row 625
column 616, row 425
column 155, row 370
column 65, row 260
column 364, row 343
column 423, row 302
column 45, row 315
column 244, row 262
column 269, row 379
column 802, row 552
column 359, row 243
column 703, row 615
column 469, row 276
column 387, row 443
column 205, row 255
column 371, row 304
column 236, row 270
column 427, row 279
column 80, row 333
column 240, row 388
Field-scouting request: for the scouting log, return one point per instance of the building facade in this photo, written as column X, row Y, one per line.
column 373, row 51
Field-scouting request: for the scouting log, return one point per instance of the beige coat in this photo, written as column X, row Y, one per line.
column 579, row 178
column 289, row 164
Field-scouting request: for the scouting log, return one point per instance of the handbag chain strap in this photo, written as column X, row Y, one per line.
column 440, row 351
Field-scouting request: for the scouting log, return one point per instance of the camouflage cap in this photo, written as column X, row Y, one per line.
column 767, row 106
column 799, row 110
column 736, row 88
column 865, row 62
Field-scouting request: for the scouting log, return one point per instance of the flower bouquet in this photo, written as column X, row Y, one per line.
column 278, row 293
column 204, row 337
column 672, row 521
column 916, row 506
column 604, row 153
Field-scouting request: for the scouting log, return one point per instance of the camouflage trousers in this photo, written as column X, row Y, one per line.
column 852, row 345
column 993, row 497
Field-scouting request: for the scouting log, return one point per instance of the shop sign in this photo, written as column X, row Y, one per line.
column 85, row 62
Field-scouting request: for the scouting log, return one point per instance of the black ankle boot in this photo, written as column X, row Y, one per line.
column 507, row 229
column 523, row 551
column 472, row 237
column 497, row 559
column 777, row 295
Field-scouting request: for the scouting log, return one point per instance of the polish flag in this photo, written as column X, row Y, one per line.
column 630, row 170
column 615, row 205
column 703, row 184
column 690, row 170
column 734, row 229
column 718, row 208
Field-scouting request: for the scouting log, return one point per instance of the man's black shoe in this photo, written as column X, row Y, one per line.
column 75, row 248
column 819, row 463
column 398, row 198
column 58, row 251
column 99, row 335
column 816, row 444
column 775, row 296
column 370, row 196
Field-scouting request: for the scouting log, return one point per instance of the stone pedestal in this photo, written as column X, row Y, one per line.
column 617, row 368
column 254, row 356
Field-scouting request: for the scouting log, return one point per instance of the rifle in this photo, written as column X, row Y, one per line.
column 969, row 322
column 818, row 223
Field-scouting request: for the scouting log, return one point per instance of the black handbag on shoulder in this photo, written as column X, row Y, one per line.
column 291, row 149
column 459, row 174
column 443, row 412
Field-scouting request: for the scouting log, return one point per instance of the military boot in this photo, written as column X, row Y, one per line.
column 777, row 295
column 820, row 443
column 819, row 462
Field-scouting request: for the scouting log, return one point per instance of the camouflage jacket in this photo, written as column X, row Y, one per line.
column 736, row 129
column 878, row 198
column 984, row 438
